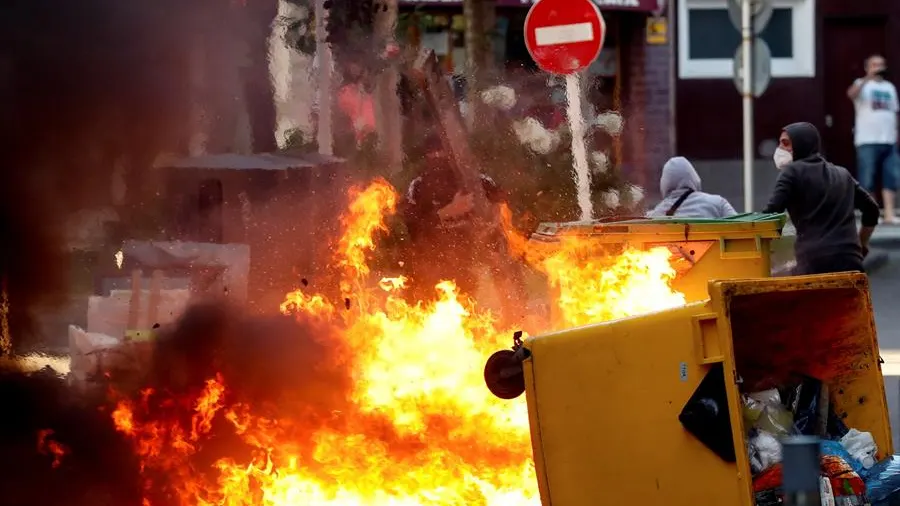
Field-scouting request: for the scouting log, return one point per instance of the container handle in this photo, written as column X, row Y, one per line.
column 706, row 339
column 740, row 253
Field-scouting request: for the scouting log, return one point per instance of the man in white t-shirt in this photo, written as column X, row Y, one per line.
column 875, row 132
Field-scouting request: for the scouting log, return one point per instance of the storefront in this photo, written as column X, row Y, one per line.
column 630, row 76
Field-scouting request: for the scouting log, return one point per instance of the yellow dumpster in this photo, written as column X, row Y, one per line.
column 605, row 400
column 738, row 247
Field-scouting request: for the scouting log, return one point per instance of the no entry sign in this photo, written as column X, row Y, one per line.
column 564, row 36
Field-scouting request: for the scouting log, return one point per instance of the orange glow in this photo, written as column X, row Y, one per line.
column 420, row 428
column 592, row 286
column 48, row 446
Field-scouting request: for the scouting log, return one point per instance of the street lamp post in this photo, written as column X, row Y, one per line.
column 801, row 466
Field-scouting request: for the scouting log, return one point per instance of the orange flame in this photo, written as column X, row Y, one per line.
column 364, row 218
column 421, row 428
column 593, row 286
column 48, row 446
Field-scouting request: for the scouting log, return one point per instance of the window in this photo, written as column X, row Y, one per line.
column 707, row 40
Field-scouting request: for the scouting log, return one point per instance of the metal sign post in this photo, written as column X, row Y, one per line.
column 747, row 96
column 800, row 467
column 752, row 65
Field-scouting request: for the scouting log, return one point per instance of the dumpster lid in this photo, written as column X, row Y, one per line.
column 619, row 229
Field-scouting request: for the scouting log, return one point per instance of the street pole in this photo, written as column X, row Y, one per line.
column 801, row 471
column 324, row 137
column 387, row 105
column 747, row 95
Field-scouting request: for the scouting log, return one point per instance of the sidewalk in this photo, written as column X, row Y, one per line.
column 885, row 239
column 887, row 236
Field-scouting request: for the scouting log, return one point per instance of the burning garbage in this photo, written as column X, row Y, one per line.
column 376, row 401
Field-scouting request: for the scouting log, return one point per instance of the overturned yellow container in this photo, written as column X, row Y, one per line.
column 739, row 247
column 604, row 400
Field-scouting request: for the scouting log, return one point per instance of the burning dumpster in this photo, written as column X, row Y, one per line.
column 669, row 408
column 701, row 250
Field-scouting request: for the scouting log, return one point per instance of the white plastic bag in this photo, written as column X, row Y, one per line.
column 861, row 446
column 826, row 491
column 765, row 451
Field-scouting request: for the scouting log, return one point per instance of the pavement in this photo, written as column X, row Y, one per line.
column 885, row 240
column 884, row 280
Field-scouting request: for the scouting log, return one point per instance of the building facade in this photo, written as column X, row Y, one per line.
column 818, row 48
column 633, row 75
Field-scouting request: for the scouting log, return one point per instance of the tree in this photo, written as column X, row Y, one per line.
column 480, row 17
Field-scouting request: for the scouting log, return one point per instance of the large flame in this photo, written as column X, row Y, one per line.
column 422, row 428
column 591, row 285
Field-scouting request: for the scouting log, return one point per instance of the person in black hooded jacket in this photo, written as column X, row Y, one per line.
column 821, row 199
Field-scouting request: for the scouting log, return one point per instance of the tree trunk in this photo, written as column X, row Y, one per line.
column 258, row 93
column 480, row 16
column 387, row 103
column 324, row 133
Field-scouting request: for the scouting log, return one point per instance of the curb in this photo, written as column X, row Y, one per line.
column 888, row 243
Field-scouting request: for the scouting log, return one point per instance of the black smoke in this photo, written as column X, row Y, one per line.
column 98, row 467
column 88, row 84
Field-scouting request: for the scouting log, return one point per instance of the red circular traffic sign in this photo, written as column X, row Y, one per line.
column 564, row 36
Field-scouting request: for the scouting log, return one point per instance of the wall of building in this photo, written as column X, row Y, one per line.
column 709, row 111
column 647, row 104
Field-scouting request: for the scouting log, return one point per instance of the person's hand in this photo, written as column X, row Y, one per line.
column 461, row 204
column 865, row 251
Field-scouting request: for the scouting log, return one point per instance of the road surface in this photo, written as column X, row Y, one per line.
column 885, row 285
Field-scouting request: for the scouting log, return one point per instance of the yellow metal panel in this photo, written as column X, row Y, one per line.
column 822, row 326
column 606, row 400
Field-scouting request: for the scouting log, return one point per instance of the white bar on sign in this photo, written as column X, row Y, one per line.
column 563, row 34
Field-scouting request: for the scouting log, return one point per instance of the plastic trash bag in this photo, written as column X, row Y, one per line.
column 847, row 487
column 770, row 497
column 767, row 397
column 804, row 404
column 861, row 446
column 883, row 481
column 765, row 412
column 826, row 492
column 836, row 449
column 764, row 450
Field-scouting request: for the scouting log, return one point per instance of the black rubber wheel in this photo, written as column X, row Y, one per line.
column 504, row 375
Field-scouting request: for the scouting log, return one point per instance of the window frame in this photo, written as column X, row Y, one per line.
column 803, row 63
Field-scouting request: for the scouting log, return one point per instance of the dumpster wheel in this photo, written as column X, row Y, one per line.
column 504, row 374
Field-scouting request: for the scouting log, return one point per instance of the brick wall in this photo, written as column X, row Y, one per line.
column 647, row 105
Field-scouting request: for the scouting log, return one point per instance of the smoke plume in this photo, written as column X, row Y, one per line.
column 87, row 85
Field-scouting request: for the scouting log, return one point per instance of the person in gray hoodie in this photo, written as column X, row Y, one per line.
column 682, row 198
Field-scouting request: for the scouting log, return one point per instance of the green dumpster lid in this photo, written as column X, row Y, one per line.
column 742, row 218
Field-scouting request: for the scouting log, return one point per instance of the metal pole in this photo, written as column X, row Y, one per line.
column 747, row 95
column 801, row 471
column 324, row 137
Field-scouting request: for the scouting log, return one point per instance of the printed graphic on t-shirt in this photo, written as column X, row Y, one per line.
column 882, row 100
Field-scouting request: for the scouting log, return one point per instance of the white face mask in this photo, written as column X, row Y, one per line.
column 782, row 157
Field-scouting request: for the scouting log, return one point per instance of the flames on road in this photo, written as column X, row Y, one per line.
column 418, row 427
